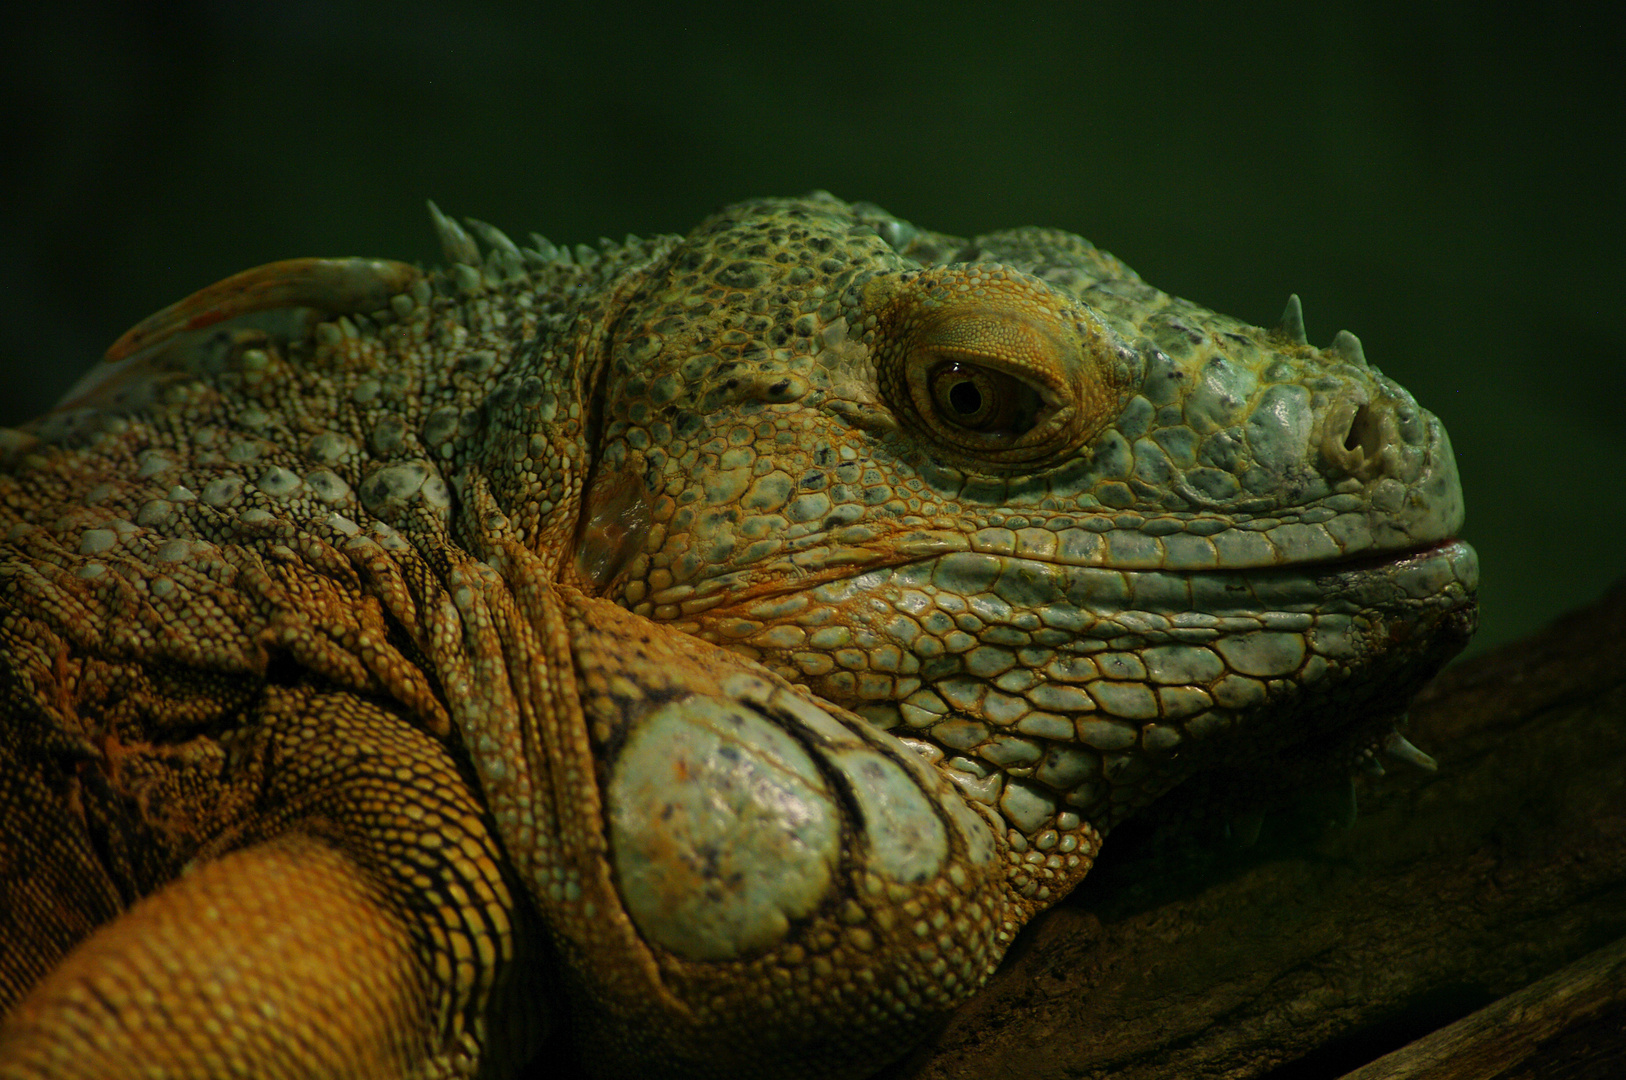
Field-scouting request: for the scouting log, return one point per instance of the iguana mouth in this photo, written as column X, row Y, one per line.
column 746, row 593
column 1372, row 560
column 801, row 571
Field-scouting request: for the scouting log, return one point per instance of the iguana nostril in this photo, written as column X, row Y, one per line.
column 1363, row 432
column 1356, row 436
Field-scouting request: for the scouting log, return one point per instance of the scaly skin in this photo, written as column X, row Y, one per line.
column 735, row 638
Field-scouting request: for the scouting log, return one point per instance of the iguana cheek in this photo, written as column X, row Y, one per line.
column 721, row 830
column 728, row 829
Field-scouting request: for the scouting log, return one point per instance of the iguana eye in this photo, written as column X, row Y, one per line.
column 993, row 369
column 985, row 401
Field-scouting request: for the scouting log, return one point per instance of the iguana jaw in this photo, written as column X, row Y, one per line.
column 1092, row 690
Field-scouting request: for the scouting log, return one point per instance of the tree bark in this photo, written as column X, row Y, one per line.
column 1186, row 955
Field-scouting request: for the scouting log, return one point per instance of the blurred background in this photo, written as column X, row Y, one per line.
column 1444, row 181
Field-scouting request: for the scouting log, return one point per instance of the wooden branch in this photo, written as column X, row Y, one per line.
column 1524, row 1034
column 1180, row 956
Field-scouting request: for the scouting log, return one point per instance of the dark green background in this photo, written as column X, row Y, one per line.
column 1444, row 181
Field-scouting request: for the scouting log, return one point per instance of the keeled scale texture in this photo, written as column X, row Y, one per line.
column 545, row 585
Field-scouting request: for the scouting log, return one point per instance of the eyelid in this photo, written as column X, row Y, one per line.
column 1075, row 371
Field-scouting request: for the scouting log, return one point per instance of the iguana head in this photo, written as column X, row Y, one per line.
column 1065, row 534
column 1067, row 538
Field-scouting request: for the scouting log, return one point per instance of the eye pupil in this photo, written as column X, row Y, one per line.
column 965, row 398
column 988, row 403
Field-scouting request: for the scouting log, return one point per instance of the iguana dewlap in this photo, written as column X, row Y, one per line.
column 729, row 641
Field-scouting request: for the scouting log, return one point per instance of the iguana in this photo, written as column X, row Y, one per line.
column 725, row 641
